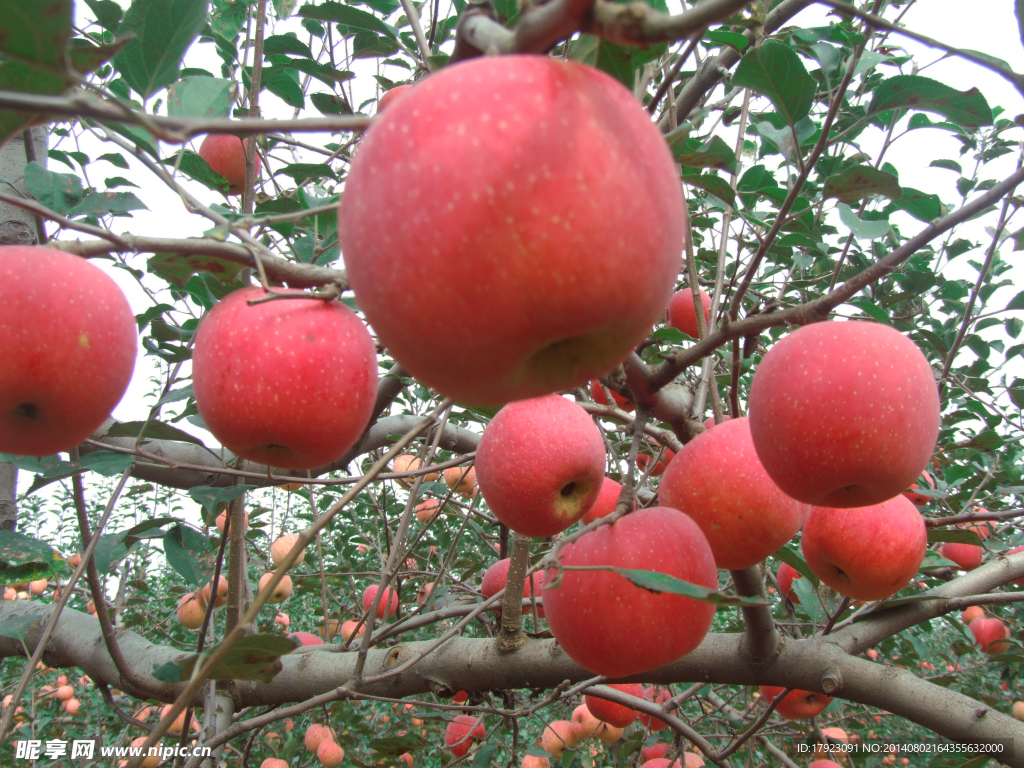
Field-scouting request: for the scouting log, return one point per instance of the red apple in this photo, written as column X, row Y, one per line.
column 557, row 737
column 785, row 576
column 867, row 553
column 496, row 577
column 68, row 343
column 989, row 635
column 427, row 509
column 967, row 556
column 681, row 314
column 462, row 480
column 290, row 382
column 190, row 612
column 615, row 714
column 282, row 546
column 606, row 502
column 1018, row 710
column 844, row 414
column 388, row 601
column 349, row 631
column 316, row 735
column 584, row 722
column 1014, row 551
column 719, row 482
column 391, row 96
column 460, row 697
column 305, row 638
column 643, row 460
column 971, row 613
column 518, row 177
column 597, row 392
column 710, row 422
column 460, row 733
column 534, row 761
column 654, row 751
column 824, row 764
column 270, row 762
column 225, row 154
column 611, row 627
column 540, row 464
column 658, row 697
column 329, row 753
column 281, row 592
column 797, row 705
column 919, row 499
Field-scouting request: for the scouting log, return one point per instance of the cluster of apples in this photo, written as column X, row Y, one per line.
column 320, row 740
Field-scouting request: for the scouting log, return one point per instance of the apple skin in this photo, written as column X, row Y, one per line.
column 545, row 181
column 612, row 713
column 1018, row 710
column 496, row 577
column 305, row 638
column 190, row 612
column 388, row 601
column 460, row 733
column 281, row 592
column 540, row 465
column 824, row 764
column 797, row 705
column 390, row 97
column 316, row 734
column 844, row 414
column 710, row 422
column 225, row 153
column 584, row 722
column 971, row 613
column 534, row 761
column 785, row 576
column 597, row 392
column 1014, row 551
column 68, row 345
column 658, row 697
column 329, row 753
column 643, row 460
column 557, row 736
column 866, row 553
column 989, row 634
column 654, row 751
column 611, row 627
column 290, row 383
column 967, row 556
column 719, row 482
column 918, row 499
column 682, row 316
column 605, row 503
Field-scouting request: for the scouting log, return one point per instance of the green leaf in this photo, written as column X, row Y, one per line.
column 286, row 44
column 672, row 335
column 862, row 230
column 302, row 171
column 776, row 71
column 107, row 463
column 870, row 308
column 397, row 745
column 723, row 36
column 183, row 547
column 284, row 8
column 711, row 154
column 114, row 547
column 155, row 430
column 661, row 583
column 23, row 558
column 1017, row 302
column 347, row 15
column 103, row 203
column 283, row 83
column 201, row 97
column 921, row 206
column 809, row 602
column 965, row 108
column 196, row 168
column 783, row 138
column 210, row 497
column 716, row 185
column 36, row 33
column 177, row 268
column 329, row 104
column 949, row 165
column 57, row 191
column 254, row 657
column 107, row 12
column 1018, row 9
column 19, row 626
column 609, row 57
column 959, row 537
column 164, row 30
column 45, row 466
column 860, row 181
column 797, row 563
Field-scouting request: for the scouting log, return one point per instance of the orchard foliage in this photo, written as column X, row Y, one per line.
column 789, row 141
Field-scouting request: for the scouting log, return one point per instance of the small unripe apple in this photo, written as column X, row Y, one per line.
column 612, row 713
column 38, row 586
column 68, row 348
column 830, row 764
column 409, row 463
column 967, row 556
column 844, row 414
column 190, row 611
column 150, row 761
column 989, row 636
column 391, row 96
column 681, row 314
column 796, row 705
column 280, row 549
column 329, row 753
column 872, row 654
column 785, row 576
column 597, row 392
column 540, row 465
column 461, row 732
column 283, row 619
column 225, row 154
column 605, row 503
column 658, row 697
column 557, row 737
column 316, row 734
column 222, row 519
column 290, row 383
column 388, row 601
column 406, row 758
column 281, row 592
column 461, row 479
column 424, row 592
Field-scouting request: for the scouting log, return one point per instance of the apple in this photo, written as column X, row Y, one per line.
column 710, row 422
column 190, row 612
column 535, row 761
column 68, row 345
column 178, row 724
column 658, row 697
column 65, row 692
column 225, row 154
column 606, row 502
column 1018, row 710
column 71, row 706
column 222, row 521
column 329, row 753
column 391, row 96
column 597, row 392
column 38, row 586
column 424, row 592
column 496, row 577
column 643, row 460
column 919, row 499
column 844, row 414
column 406, row 758
column 717, row 479
column 305, row 638
column 1014, row 551
column 540, row 465
column 518, row 177
column 284, row 544
column 426, row 509
column 609, row 733
column 611, row 627
column 388, row 602
column 460, row 697
column 203, row 595
column 785, row 576
column 825, row 764
column 75, row 560
column 281, row 592
column 329, row 629
column 967, row 556
column 557, row 737
column 584, row 722
column 461, row 732
column 289, row 383
column 681, row 314
column 873, row 654
column 989, row 634
column 615, row 714
column 348, row 630
column 270, row 762
column 11, row 594
column 150, row 761
column 283, row 619
column 316, row 735
column 654, row 751
column 408, row 463
column 971, row 613
column 462, row 480
column 797, row 705
column 866, row 553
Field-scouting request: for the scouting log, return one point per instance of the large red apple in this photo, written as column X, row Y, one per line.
column 388, row 602
column 682, row 315
column 718, row 481
column 540, row 464
column 785, row 576
column 867, row 553
column 967, row 556
column 611, row 627
column 535, row 202
column 606, row 502
column 289, row 383
column 67, row 342
column 616, row 714
column 990, row 635
column 844, row 414
column 496, row 577
column 461, row 732
column 225, row 154
column 796, row 705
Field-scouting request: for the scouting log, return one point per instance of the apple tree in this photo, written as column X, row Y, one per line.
column 434, row 461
